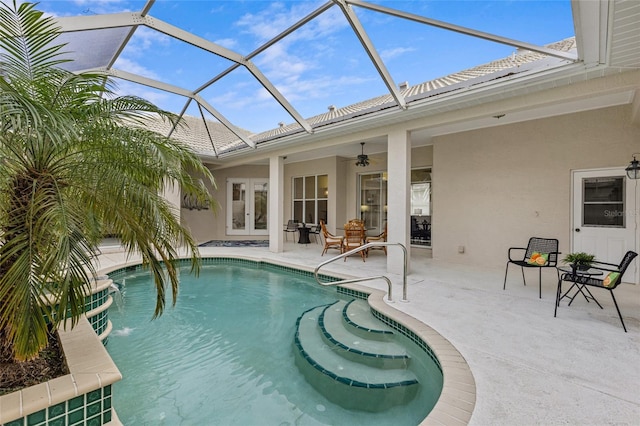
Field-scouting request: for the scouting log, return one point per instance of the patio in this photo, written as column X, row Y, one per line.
column 529, row 367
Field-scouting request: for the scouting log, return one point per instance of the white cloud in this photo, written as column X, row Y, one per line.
column 127, row 88
column 128, row 65
column 229, row 43
column 92, row 7
column 389, row 54
column 146, row 39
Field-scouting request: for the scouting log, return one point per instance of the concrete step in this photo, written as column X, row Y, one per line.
column 358, row 347
column 359, row 320
column 351, row 384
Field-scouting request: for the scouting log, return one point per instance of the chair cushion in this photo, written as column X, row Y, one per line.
column 540, row 259
column 610, row 279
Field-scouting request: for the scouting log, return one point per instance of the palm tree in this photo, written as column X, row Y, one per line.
column 76, row 161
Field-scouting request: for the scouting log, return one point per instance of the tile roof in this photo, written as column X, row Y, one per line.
column 224, row 141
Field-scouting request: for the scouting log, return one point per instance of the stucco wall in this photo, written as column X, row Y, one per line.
column 495, row 188
column 206, row 225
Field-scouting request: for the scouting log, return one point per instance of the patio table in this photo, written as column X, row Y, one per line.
column 303, row 230
column 580, row 288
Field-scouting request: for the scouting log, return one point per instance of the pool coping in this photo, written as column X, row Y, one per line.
column 458, row 397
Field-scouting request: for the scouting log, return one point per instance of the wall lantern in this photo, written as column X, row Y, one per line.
column 633, row 169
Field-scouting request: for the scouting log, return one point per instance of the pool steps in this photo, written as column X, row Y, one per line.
column 337, row 334
column 350, row 366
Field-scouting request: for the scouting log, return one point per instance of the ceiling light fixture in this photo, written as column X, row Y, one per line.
column 363, row 159
column 633, row 169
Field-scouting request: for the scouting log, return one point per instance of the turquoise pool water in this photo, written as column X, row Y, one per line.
column 224, row 354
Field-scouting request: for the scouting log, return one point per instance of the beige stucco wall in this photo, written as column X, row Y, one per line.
column 494, row 188
column 206, row 225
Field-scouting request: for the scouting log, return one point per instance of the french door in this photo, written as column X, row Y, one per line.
column 373, row 201
column 247, row 206
column 603, row 220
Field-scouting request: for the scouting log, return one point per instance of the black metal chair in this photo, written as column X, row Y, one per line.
column 315, row 231
column 539, row 253
column 292, row 226
column 611, row 276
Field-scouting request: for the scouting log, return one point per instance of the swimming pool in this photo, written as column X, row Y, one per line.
column 224, row 355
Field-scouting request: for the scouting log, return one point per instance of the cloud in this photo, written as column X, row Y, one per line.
column 93, row 7
column 291, row 62
column 128, row 65
column 388, row 54
column 229, row 43
column 146, row 39
column 159, row 98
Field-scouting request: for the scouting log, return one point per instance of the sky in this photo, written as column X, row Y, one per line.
column 321, row 64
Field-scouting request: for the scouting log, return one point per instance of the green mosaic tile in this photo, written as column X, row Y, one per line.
column 76, row 402
column 37, row 418
column 94, row 396
column 56, row 410
column 94, row 408
column 60, row 421
column 106, row 404
column 106, row 391
column 17, row 422
column 76, row 417
column 106, row 416
column 94, row 421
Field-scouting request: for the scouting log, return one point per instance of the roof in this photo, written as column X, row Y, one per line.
column 607, row 40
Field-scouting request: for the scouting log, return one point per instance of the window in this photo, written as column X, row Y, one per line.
column 310, row 195
column 603, row 203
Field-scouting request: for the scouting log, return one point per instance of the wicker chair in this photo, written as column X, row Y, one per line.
column 539, row 253
column 330, row 241
column 611, row 276
column 353, row 238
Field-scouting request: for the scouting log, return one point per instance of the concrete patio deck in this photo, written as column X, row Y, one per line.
column 530, row 368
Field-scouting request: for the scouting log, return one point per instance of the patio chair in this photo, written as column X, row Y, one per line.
column 315, row 230
column 382, row 237
column 353, row 238
column 539, row 253
column 610, row 275
column 292, row 226
column 330, row 241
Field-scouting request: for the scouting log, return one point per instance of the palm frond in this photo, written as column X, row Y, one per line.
column 27, row 36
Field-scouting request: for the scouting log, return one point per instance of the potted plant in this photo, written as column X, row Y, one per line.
column 581, row 260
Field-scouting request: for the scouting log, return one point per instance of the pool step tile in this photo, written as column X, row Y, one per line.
column 356, row 347
column 359, row 319
column 347, row 382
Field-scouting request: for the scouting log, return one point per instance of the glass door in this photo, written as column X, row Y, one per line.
column 373, row 201
column 247, row 202
column 421, row 207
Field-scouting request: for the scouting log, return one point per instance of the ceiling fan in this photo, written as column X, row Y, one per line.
column 363, row 159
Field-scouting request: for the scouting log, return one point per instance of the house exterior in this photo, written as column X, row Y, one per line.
column 535, row 144
column 503, row 170
column 493, row 186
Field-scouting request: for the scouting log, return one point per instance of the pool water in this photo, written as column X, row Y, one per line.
column 224, row 354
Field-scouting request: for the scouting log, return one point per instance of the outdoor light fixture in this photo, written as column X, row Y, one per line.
column 363, row 159
column 633, row 169
column 363, row 209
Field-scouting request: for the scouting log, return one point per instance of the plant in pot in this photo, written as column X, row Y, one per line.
column 581, row 260
column 76, row 160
